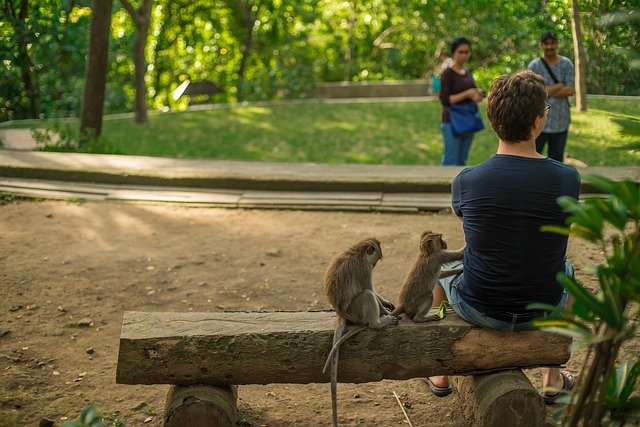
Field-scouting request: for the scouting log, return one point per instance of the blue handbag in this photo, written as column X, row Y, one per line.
column 465, row 118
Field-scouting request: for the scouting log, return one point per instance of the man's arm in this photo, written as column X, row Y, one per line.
column 560, row 90
column 566, row 76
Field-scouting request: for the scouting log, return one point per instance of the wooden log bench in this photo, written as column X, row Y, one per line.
column 207, row 355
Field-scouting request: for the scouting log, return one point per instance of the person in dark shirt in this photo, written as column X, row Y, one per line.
column 508, row 262
column 457, row 87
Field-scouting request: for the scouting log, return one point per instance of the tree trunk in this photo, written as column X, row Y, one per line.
column 141, row 18
column 248, row 19
column 161, row 44
column 29, row 79
column 348, row 52
column 291, row 347
column 580, row 58
column 96, row 71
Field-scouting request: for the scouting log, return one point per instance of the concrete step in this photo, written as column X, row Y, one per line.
column 318, row 200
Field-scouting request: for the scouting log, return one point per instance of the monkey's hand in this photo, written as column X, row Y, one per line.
column 388, row 305
column 385, row 306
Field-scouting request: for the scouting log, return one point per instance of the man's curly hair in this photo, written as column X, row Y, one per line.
column 513, row 104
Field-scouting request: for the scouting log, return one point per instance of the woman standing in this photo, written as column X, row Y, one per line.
column 457, row 87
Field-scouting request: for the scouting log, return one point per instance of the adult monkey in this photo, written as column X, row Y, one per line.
column 349, row 288
column 503, row 202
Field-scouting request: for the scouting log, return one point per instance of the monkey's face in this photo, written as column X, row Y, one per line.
column 443, row 244
column 432, row 243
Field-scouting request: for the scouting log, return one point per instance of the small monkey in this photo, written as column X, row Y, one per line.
column 349, row 288
column 416, row 295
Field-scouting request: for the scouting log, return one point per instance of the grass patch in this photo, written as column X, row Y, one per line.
column 399, row 133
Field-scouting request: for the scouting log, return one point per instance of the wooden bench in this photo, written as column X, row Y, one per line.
column 206, row 355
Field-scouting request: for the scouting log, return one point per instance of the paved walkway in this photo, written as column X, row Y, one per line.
column 229, row 183
column 17, row 139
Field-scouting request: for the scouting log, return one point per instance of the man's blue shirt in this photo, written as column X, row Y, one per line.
column 508, row 261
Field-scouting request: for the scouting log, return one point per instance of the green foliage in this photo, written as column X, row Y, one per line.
column 608, row 318
column 442, row 310
column 91, row 417
column 63, row 136
column 399, row 133
column 623, row 406
column 287, row 47
column 8, row 197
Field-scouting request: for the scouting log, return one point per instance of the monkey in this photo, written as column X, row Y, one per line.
column 349, row 289
column 416, row 294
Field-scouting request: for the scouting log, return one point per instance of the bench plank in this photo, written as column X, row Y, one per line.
column 291, row 347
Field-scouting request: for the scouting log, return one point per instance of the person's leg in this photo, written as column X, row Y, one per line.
column 465, row 147
column 557, row 143
column 451, row 144
column 447, row 289
column 540, row 141
column 439, row 295
column 552, row 380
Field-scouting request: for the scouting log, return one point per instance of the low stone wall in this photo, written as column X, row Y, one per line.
column 372, row 89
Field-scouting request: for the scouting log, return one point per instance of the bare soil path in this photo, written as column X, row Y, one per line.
column 69, row 271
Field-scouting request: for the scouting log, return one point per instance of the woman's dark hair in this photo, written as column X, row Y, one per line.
column 514, row 103
column 457, row 42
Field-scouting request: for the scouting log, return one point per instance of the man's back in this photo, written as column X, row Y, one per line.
column 508, row 261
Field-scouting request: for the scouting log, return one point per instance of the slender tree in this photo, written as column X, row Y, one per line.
column 96, row 71
column 580, row 58
column 248, row 20
column 141, row 18
column 17, row 17
column 350, row 46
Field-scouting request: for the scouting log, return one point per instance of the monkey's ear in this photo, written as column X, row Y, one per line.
column 371, row 249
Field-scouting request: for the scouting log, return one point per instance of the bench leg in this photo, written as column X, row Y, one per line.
column 505, row 398
column 201, row 405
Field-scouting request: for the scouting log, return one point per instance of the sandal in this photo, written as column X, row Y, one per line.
column 438, row 391
column 567, row 384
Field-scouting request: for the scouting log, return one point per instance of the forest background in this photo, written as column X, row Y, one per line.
column 275, row 49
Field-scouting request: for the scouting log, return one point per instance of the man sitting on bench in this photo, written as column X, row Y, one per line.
column 508, row 262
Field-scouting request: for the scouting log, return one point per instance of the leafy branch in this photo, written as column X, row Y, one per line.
column 608, row 318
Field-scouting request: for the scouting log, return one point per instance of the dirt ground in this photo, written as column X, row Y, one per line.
column 69, row 271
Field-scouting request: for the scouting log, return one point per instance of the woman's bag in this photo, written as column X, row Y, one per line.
column 465, row 118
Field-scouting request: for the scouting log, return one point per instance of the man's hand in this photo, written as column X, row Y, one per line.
column 559, row 90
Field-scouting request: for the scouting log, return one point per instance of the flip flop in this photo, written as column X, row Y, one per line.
column 438, row 391
column 567, row 384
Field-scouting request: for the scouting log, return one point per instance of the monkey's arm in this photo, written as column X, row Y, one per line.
column 385, row 305
column 447, row 273
column 448, row 256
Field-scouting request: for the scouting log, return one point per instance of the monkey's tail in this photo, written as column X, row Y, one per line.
column 340, row 328
column 336, row 344
column 333, row 359
column 334, row 389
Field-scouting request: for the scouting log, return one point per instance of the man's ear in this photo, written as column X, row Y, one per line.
column 538, row 124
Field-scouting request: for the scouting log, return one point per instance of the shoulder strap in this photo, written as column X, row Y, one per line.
column 553, row 76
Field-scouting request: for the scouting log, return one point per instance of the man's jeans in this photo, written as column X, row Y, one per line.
column 471, row 315
column 456, row 148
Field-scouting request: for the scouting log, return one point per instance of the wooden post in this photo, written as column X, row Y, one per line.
column 505, row 398
column 201, row 406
